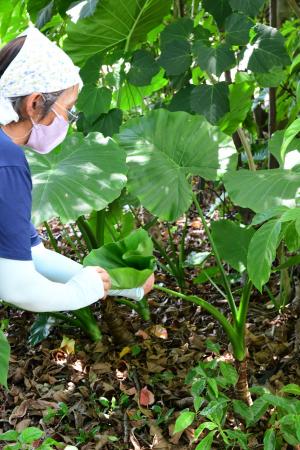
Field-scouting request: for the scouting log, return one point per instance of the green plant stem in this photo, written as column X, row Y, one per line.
column 182, row 243
column 100, row 225
column 51, row 237
column 247, row 148
column 87, row 233
column 230, row 298
column 243, row 308
column 233, row 336
column 165, row 255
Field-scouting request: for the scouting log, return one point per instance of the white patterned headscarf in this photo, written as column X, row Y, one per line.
column 40, row 66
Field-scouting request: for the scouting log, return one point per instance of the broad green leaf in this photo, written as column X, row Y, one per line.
column 232, row 241
column 4, row 358
column 237, row 27
column 218, row 9
column 289, row 136
column 291, row 236
column 163, row 148
column 228, row 371
column 289, row 427
column 257, row 410
column 268, row 50
column 205, row 426
column 214, row 59
column 10, row 435
column 286, row 147
column 242, row 409
column 211, row 382
column 291, row 389
column 90, row 72
column 30, row 434
column 240, row 101
column 212, row 101
column 114, row 25
column 94, row 101
column 184, row 420
column 176, row 57
column 262, row 252
column 107, row 124
column 274, row 78
column 206, row 443
column 41, row 328
column 12, row 447
column 270, row 439
column 181, row 100
column 290, row 214
column 131, row 96
column 198, row 402
column 179, row 30
column 248, row 7
column 86, row 173
column 143, row 68
column 269, row 214
column 129, row 261
column 263, row 189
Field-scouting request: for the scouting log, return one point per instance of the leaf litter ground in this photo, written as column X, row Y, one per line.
column 127, row 395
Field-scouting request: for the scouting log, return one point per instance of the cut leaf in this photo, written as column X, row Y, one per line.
column 129, row 261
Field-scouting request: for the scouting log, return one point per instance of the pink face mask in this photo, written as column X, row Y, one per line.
column 44, row 138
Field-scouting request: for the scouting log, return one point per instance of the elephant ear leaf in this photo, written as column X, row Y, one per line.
column 129, row 261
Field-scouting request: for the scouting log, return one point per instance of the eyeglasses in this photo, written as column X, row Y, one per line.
column 71, row 115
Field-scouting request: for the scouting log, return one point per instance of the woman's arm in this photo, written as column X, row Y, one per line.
column 57, row 267
column 23, row 286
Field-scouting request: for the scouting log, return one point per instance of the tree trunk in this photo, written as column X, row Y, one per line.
column 242, row 388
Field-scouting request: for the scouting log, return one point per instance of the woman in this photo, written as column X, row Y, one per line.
column 39, row 86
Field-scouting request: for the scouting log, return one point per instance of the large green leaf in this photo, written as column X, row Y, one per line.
column 285, row 148
column 114, row 25
column 131, row 96
column 214, row 59
column 211, row 100
column 107, row 124
column 218, row 9
column 232, row 241
column 94, row 101
column 176, row 57
column 143, row 68
column 263, row 189
column 249, row 7
column 262, row 252
column 129, row 261
column 240, row 101
column 4, row 358
column 268, row 50
column 163, row 148
column 181, row 29
column 237, row 27
column 86, row 173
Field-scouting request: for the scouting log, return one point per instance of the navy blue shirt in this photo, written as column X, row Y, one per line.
column 17, row 233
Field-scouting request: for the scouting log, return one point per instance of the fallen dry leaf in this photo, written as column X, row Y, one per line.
column 146, row 397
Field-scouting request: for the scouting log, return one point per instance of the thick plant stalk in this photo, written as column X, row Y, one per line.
column 241, row 387
column 247, row 148
column 117, row 328
column 273, row 163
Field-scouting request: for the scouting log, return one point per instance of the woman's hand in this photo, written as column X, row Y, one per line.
column 148, row 285
column 105, row 279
